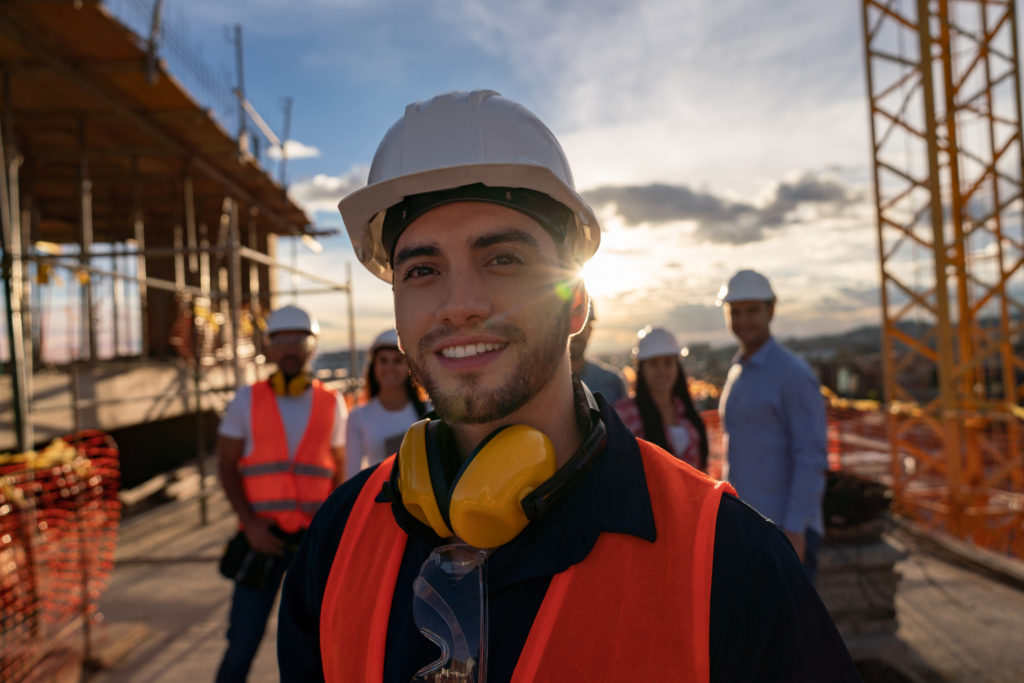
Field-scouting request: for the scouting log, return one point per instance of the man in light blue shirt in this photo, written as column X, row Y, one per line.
column 773, row 418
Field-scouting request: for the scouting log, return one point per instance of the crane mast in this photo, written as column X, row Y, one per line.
column 945, row 112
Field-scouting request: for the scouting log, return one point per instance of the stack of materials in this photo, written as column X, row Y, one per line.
column 857, row 578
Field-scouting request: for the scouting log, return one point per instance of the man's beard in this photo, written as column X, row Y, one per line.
column 469, row 402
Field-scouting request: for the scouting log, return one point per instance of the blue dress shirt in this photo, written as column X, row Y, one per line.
column 773, row 418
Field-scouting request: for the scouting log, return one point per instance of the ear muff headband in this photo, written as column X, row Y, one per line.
column 511, row 479
column 537, row 502
column 289, row 387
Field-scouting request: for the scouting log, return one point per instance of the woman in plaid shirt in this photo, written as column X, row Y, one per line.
column 662, row 410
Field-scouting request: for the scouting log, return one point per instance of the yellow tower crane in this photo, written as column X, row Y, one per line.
column 945, row 104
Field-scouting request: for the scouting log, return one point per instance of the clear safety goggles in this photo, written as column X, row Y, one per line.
column 450, row 609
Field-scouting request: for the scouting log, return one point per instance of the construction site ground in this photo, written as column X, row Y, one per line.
column 165, row 611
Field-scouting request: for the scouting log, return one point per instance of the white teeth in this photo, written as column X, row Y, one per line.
column 468, row 350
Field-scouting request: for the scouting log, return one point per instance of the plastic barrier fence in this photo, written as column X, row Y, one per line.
column 59, row 514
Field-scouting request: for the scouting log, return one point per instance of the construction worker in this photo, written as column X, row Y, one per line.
column 281, row 451
column 773, row 418
column 599, row 377
column 375, row 428
column 661, row 409
column 526, row 510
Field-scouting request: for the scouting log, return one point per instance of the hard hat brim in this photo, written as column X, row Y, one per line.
column 363, row 210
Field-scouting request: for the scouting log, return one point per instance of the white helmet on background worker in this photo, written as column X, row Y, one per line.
column 458, row 140
column 655, row 342
column 745, row 285
column 291, row 318
column 385, row 340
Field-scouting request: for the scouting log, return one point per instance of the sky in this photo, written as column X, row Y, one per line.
column 708, row 137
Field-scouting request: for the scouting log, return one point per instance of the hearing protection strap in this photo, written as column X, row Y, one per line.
column 547, row 494
column 443, row 463
column 538, row 502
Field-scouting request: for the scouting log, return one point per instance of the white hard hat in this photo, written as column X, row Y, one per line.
column 746, row 285
column 459, row 139
column 291, row 319
column 654, row 342
column 386, row 339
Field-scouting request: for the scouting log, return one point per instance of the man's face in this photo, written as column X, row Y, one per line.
column 749, row 321
column 481, row 308
column 292, row 352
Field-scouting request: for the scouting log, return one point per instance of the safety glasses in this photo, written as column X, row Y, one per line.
column 450, row 609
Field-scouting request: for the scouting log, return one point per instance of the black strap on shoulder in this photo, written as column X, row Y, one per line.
column 547, row 494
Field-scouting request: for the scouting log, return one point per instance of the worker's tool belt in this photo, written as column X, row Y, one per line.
column 249, row 568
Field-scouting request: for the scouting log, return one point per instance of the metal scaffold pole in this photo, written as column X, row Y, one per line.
column 10, row 235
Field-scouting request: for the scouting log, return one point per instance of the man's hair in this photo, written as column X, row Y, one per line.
column 554, row 217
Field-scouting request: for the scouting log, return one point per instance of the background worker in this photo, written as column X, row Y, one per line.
column 609, row 560
column 773, row 420
column 281, row 451
column 599, row 377
column 661, row 409
column 375, row 429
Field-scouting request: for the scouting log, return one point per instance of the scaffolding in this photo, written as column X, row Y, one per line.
column 945, row 105
column 163, row 228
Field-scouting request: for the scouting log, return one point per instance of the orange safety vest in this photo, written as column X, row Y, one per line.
column 631, row 611
column 289, row 491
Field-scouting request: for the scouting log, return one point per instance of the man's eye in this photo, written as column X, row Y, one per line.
column 415, row 272
column 506, row 260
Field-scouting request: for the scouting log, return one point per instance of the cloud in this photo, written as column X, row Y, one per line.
column 322, row 192
column 695, row 318
column 294, row 150
column 720, row 219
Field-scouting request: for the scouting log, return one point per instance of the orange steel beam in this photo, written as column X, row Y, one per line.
column 945, row 112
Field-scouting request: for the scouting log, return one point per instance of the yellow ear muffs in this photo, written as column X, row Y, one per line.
column 511, row 479
column 486, row 499
column 483, row 504
column 414, row 482
column 289, row 387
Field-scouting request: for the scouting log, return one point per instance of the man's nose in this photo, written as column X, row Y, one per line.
column 466, row 300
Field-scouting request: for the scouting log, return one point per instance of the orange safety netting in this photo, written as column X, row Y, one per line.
column 59, row 514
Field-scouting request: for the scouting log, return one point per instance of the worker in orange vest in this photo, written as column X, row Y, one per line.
column 522, row 532
column 281, row 451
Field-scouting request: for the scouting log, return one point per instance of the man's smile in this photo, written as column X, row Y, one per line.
column 469, row 350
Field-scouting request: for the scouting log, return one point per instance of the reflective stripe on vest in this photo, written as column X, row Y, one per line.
column 654, row 630
column 289, row 491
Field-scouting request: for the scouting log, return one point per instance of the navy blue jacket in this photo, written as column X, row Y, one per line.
column 767, row 621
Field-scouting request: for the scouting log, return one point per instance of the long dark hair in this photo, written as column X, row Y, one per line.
column 412, row 390
column 654, row 430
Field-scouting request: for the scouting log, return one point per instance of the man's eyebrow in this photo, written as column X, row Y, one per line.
column 415, row 252
column 514, row 235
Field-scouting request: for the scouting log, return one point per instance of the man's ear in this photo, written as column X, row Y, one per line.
column 771, row 310
column 580, row 308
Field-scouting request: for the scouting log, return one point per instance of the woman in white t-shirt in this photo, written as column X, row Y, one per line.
column 376, row 428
